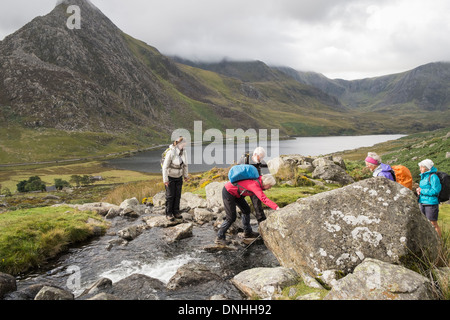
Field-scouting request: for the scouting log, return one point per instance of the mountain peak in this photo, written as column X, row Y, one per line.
column 91, row 16
column 76, row 3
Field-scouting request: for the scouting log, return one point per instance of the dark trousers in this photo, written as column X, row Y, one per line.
column 230, row 202
column 173, row 195
column 259, row 212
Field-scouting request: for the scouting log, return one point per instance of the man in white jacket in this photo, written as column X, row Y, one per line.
column 175, row 168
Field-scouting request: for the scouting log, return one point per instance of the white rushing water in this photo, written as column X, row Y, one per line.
column 161, row 270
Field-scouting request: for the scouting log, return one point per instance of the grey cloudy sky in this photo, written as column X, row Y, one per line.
column 349, row 39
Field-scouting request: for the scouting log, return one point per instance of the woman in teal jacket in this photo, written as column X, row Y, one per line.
column 430, row 187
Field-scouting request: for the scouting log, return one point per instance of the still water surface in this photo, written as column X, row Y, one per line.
column 222, row 155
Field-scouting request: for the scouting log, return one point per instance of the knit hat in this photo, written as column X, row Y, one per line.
column 427, row 164
column 372, row 161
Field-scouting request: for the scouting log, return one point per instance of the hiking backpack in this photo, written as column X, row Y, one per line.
column 163, row 157
column 403, row 176
column 444, row 178
column 243, row 172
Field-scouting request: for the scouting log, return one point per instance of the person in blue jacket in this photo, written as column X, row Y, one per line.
column 428, row 191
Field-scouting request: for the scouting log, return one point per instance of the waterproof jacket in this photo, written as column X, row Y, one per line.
column 384, row 170
column 175, row 165
column 253, row 187
column 430, row 186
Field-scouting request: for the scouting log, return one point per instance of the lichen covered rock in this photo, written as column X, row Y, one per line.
column 337, row 230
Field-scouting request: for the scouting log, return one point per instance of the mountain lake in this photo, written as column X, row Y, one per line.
column 222, row 155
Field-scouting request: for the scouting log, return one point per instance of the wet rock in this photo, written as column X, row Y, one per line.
column 104, row 296
column 265, row 282
column 377, row 280
column 191, row 274
column 116, row 242
column 217, row 248
column 159, row 222
column 53, row 293
column 179, row 232
column 7, row 284
column 138, row 287
column 99, row 285
column 132, row 232
column 219, row 297
column 27, row 293
column 375, row 218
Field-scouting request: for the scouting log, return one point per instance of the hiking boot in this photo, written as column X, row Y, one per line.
column 251, row 234
column 261, row 220
column 221, row 242
column 170, row 217
column 178, row 216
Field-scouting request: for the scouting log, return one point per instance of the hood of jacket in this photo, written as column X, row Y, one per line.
column 432, row 170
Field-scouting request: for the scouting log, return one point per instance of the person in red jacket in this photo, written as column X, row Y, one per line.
column 234, row 195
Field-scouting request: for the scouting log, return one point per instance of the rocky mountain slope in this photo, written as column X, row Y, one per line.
column 96, row 90
column 99, row 79
column 421, row 93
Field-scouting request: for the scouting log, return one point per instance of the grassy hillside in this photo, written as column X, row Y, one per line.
column 28, row 238
column 410, row 150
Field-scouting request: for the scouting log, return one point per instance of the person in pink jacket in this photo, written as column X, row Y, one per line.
column 234, row 195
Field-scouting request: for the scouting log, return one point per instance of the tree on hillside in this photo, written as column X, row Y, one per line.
column 32, row 184
column 76, row 179
column 61, row 184
column 80, row 180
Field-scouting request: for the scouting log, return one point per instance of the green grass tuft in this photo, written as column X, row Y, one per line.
column 28, row 238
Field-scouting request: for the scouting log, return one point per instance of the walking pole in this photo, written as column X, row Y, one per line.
column 245, row 249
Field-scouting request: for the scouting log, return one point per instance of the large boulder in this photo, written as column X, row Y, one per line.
column 265, row 282
column 330, row 168
column 138, row 287
column 214, row 195
column 179, row 232
column 132, row 232
column 7, row 284
column 192, row 201
column 53, row 293
column 377, row 280
column 288, row 162
column 191, row 274
column 375, row 218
